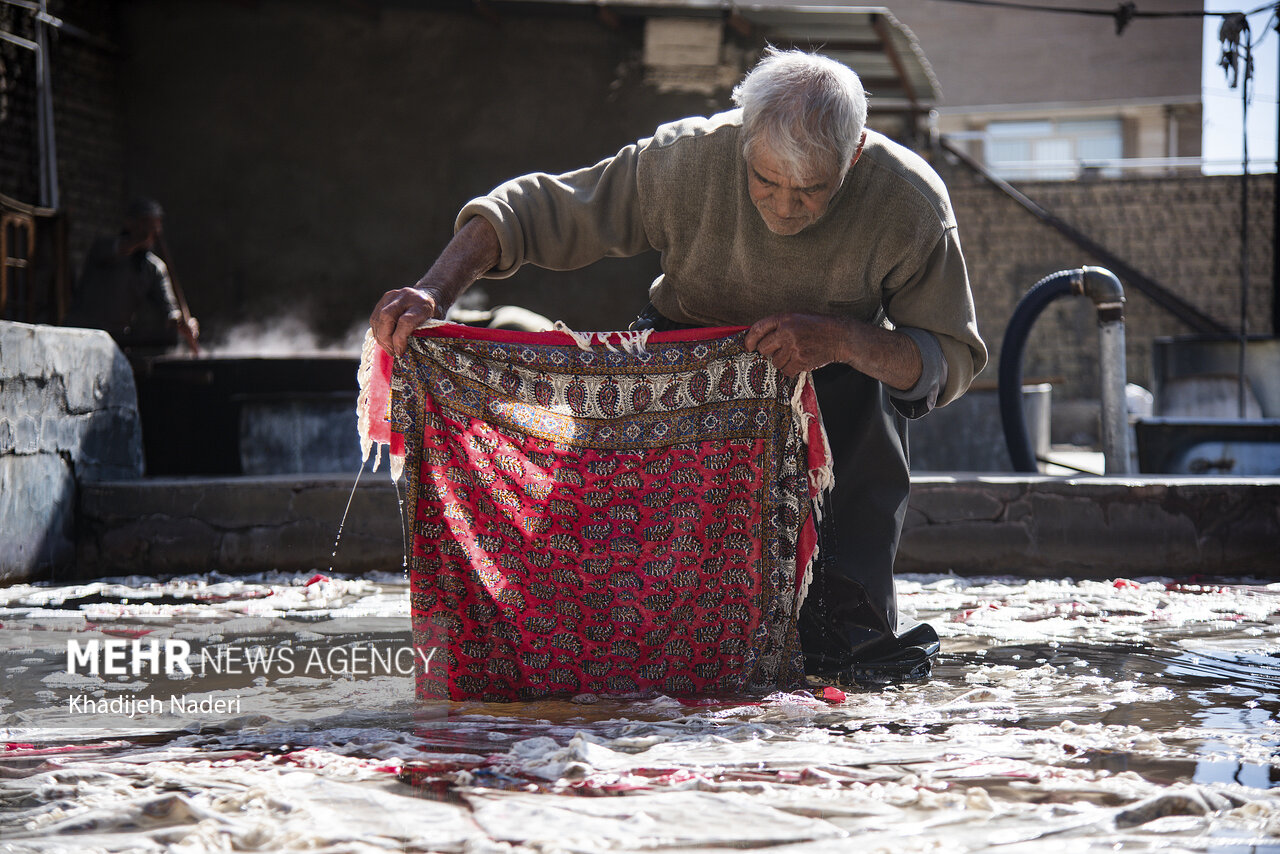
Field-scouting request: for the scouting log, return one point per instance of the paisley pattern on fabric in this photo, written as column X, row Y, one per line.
column 586, row 519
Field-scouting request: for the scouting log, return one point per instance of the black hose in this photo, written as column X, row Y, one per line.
column 1012, row 418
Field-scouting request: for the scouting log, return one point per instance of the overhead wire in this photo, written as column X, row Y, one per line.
column 1266, row 28
column 1123, row 13
column 1235, row 38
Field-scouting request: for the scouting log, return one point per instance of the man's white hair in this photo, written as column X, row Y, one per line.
column 808, row 110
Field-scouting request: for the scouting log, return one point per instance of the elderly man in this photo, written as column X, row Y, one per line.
column 835, row 245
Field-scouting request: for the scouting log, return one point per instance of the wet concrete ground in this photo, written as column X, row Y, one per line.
column 1087, row 716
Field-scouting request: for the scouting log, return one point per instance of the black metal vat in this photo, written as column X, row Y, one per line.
column 234, row 415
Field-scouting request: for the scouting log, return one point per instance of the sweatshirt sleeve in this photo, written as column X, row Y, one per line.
column 161, row 289
column 563, row 222
column 937, row 300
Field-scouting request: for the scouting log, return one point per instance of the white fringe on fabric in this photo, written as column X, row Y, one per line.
column 822, row 479
column 633, row 341
column 364, row 376
column 395, row 466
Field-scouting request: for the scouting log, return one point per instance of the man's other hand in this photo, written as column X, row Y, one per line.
column 473, row 251
column 799, row 342
column 400, row 312
column 188, row 330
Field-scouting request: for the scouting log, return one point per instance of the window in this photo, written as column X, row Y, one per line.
column 1053, row 150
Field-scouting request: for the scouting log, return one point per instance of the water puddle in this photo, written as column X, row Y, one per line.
column 1063, row 716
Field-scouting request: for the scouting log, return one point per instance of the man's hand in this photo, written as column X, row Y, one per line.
column 805, row 342
column 800, row 342
column 189, row 330
column 472, row 252
column 400, row 312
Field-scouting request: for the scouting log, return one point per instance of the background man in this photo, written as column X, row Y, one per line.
column 124, row 287
column 835, row 245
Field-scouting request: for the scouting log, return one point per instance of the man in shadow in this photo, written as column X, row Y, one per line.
column 125, row 289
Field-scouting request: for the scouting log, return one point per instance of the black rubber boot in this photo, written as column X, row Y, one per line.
column 907, row 657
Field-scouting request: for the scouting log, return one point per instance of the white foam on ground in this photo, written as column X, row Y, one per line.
column 1064, row 716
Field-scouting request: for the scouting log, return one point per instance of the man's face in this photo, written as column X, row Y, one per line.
column 145, row 230
column 789, row 203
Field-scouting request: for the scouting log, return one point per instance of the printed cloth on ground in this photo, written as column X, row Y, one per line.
column 606, row 513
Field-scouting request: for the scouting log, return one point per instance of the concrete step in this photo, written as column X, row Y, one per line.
column 1038, row 526
column 1092, row 527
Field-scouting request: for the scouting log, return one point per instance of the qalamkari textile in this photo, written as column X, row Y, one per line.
column 606, row 513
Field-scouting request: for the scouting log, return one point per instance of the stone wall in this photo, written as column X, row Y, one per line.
column 1182, row 231
column 1029, row 526
column 1093, row 527
column 68, row 415
column 292, row 523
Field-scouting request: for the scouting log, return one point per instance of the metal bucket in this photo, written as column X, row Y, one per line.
column 967, row 435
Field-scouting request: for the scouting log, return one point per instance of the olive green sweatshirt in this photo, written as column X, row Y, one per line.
column 886, row 248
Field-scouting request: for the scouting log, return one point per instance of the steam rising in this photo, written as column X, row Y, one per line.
column 290, row 335
column 284, row 336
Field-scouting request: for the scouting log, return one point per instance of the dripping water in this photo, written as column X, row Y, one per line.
column 341, row 524
column 404, row 530
column 400, row 511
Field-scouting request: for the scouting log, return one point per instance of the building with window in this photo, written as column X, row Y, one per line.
column 1049, row 96
column 1051, row 149
column 1035, row 95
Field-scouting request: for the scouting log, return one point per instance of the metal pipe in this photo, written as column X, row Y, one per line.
column 1107, row 295
column 40, row 14
column 1104, row 289
column 19, row 41
column 49, row 193
column 1275, row 223
column 1009, row 385
column 1115, row 410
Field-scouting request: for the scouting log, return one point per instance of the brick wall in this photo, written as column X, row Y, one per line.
column 18, row 175
column 89, row 122
column 1182, row 231
column 89, row 115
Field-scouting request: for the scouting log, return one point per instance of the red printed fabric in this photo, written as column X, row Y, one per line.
column 611, row 518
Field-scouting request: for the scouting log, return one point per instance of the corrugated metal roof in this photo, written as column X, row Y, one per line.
column 869, row 39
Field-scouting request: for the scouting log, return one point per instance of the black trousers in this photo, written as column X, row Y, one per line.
column 851, row 604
